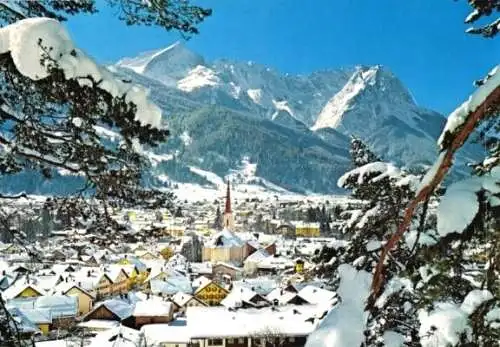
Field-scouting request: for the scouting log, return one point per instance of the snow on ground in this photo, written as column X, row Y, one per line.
column 185, row 138
column 283, row 106
column 22, row 39
column 155, row 159
column 209, row 176
column 200, row 76
column 331, row 115
column 255, row 95
column 245, row 176
column 235, row 90
column 195, row 192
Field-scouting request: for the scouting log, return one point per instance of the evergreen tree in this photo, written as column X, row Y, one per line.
column 360, row 153
column 178, row 212
column 219, row 221
column 49, row 121
column 171, row 15
column 385, row 190
column 484, row 8
column 46, row 221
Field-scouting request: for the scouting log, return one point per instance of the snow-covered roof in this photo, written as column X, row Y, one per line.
column 237, row 296
column 201, row 268
column 120, row 336
column 228, row 265
column 315, row 295
column 38, row 316
column 17, row 287
column 275, row 262
column 261, row 285
column 120, row 308
column 225, row 238
column 257, row 256
column 171, row 286
column 152, row 307
column 23, row 323
column 159, row 334
column 99, row 324
column 59, row 305
column 180, row 299
column 201, row 282
column 220, row 322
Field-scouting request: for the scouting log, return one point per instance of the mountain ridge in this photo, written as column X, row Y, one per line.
column 293, row 130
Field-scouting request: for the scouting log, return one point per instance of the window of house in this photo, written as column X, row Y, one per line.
column 215, row 342
column 291, row 339
column 230, row 340
column 241, row 340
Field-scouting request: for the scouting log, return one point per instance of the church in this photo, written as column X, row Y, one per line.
column 225, row 245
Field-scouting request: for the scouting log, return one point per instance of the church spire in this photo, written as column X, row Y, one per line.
column 228, row 212
column 228, row 199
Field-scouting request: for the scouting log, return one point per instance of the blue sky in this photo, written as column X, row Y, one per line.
column 421, row 41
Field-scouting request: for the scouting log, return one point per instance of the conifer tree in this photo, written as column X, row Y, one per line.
column 481, row 9
column 360, row 153
column 50, row 123
column 171, row 15
column 218, row 222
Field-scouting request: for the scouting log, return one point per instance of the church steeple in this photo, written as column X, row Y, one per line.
column 228, row 212
column 228, row 199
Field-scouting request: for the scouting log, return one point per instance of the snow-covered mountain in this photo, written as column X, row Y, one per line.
column 292, row 130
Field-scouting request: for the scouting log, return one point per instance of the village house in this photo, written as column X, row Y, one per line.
column 63, row 309
column 150, row 311
column 182, row 301
column 303, row 229
column 42, row 318
column 226, row 247
column 243, row 297
column 211, row 293
column 110, row 310
column 175, row 334
column 221, row 270
column 85, row 299
column 218, row 326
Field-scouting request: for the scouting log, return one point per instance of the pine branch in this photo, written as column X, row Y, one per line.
column 458, row 139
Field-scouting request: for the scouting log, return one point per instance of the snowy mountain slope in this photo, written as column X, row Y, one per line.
column 254, row 88
column 376, row 107
column 295, row 160
column 167, row 65
column 293, row 129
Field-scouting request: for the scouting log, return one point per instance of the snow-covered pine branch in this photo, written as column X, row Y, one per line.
column 53, row 101
column 482, row 104
column 178, row 15
column 483, row 9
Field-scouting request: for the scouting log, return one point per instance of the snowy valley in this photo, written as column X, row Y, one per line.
column 168, row 200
